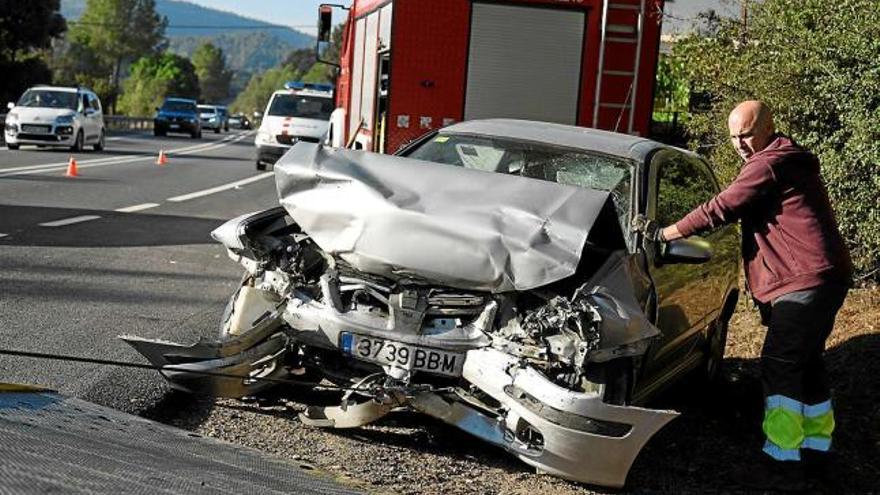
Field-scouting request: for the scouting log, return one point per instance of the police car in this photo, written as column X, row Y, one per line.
column 299, row 112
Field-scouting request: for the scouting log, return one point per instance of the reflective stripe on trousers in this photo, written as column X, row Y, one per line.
column 791, row 425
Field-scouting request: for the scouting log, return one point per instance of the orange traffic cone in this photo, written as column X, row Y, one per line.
column 162, row 160
column 71, row 168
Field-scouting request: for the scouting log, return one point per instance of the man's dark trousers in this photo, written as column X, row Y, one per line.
column 798, row 412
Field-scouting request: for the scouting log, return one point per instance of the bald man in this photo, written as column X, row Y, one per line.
column 798, row 271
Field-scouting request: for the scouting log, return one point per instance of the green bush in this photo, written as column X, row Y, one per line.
column 817, row 64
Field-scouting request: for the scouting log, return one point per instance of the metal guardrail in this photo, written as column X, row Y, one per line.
column 124, row 123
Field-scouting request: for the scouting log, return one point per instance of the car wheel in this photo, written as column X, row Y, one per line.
column 216, row 130
column 261, row 165
column 99, row 146
column 714, row 351
column 158, row 133
column 78, row 143
column 12, row 146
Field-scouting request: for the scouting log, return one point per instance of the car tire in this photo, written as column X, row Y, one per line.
column 261, row 165
column 216, row 130
column 158, row 133
column 710, row 371
column 12, row 147
column 99, row 146
column 78, row 142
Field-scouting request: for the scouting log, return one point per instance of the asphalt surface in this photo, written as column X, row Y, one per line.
column 124, row 248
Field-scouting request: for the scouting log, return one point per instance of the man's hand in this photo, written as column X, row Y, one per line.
column 647, row 227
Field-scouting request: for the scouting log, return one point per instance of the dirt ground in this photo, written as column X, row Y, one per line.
column 717, row 436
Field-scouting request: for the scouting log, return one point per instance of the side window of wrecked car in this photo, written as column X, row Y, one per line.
column 682, row 186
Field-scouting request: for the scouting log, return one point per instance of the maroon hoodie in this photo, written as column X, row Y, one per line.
column 790, row 239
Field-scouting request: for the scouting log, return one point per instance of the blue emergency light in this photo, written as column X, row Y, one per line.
column 298, row 85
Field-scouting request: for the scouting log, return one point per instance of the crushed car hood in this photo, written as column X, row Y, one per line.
column 406, row 218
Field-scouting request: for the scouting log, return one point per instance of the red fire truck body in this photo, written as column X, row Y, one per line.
column 409, row 66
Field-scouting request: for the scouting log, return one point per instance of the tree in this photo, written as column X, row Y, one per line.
column 260, row 88
column 155, row 77
column 211, row 68
column 300, row 60
column 118, row 32
column 26, row 29
column 815, row 63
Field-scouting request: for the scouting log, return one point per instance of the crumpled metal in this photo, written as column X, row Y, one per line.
column 463, row 228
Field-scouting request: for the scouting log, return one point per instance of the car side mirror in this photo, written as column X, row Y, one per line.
column 690, row 250
column 10, row 105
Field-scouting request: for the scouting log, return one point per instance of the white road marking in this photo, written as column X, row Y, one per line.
column 131, row 209
column 116, row 160
column 70, row 221
column 231, row 185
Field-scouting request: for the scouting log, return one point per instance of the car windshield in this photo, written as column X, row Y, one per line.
column 204, row 109
column 48, row 99
column 555, row 164
column 178, row 106
column 308, row 107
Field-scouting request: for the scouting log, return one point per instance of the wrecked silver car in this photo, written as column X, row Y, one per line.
column 488, row 276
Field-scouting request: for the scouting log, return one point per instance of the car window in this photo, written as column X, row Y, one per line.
column 683, row 183
column 178, row 106
column 571, row 167
column 95, row 103
column 309, row 107
column 42, row 98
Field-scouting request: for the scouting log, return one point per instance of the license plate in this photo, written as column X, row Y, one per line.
column 402, row 355
column 36, row 129
column 174, row 126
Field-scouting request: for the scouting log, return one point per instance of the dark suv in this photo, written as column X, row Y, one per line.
column 177, row 115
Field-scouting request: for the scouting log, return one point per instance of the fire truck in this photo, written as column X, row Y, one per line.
column 409, row 66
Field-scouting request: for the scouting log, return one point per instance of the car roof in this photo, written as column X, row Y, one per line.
column 66, row 89
column 569, row 136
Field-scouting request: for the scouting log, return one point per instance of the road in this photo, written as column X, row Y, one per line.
column 124, row 248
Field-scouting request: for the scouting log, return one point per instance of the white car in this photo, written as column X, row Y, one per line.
column 56, row 116
column 300, row 112
column 211, row 117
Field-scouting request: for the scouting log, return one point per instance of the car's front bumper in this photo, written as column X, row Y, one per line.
column 49, row 135
column 583, row 438
column 184, row 127
column 270, row 153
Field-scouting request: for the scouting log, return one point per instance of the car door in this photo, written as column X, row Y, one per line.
column 94, row 118
column 687, row 296
column 97, row 116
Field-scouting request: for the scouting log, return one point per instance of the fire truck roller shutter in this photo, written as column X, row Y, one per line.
column 524, row 62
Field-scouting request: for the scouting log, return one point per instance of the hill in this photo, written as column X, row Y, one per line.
column 247, row 50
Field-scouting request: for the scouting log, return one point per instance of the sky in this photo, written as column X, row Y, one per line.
column 301, row 15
